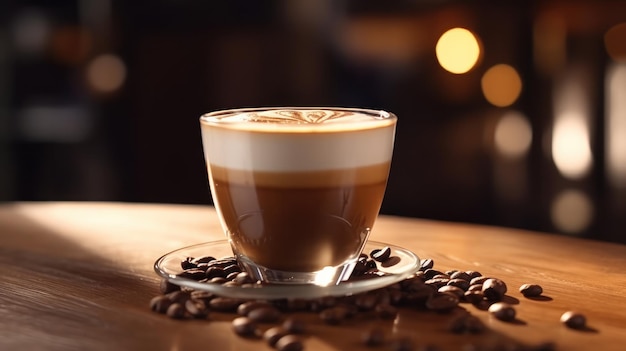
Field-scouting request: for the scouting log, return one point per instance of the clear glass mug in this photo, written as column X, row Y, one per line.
column 298, row 189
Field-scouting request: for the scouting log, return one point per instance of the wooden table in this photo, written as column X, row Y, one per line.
column 79, row 276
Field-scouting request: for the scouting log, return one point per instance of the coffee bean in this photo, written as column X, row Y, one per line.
column 473, row 296
column 264, row 314
column 437, row 282
column 272, row 335
column 442, row 302
column 215, row 271
column 243, row 278
column 233, row 268
column 167, row 287
column 217, row 280
column 473, row 274
column 224, row 304
column 196, row 308
column 294, row 325
column 531, row 290
column 289, row 343
column 460, row 275
column 187, row 263
column 459, row 283
column 450, row 289
column 243, row 326
column 192, row 273
column 176, row 311
column 373, row 337
column 205, row 296
column 203, row 259
column 475, row 287
column 574, row 320
column 426, row 264
column 381, row 255
column 502, row 311
column 478, row 280
column 246, row 307
column 431, row 273
column 160, row 303
column 179, row 296
column 494, row 289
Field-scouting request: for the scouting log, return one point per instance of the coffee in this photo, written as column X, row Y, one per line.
column 298, row 190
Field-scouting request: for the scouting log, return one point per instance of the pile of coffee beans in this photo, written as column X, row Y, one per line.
column 428, row 290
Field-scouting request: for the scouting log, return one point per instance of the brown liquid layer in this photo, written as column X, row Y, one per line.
column 299, row 229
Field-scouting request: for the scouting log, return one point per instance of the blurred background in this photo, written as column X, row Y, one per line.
column 512, row 113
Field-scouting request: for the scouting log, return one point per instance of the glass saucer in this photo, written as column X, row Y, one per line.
column 404, row 264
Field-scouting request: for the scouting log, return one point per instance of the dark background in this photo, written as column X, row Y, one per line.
column 62, row 139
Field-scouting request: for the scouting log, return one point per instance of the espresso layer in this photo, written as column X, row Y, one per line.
column 298, row 229
column 338, row 177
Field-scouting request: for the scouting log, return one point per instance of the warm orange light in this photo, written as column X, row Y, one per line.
column 571, row 211
column 501, row 85
column 106, row 73
column 457, row 50
column 615, row 42
column 513, row 135
column 71, row 45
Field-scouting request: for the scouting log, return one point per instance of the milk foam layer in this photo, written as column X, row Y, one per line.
column 289, row 140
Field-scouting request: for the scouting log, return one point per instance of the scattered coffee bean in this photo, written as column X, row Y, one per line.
column 224, row 304
column 478, row 280
column 381, row 255
column 289, row 343
column 450, row 289
column 176, row 311
column 462, row 284
column 431, row 273
column 494, row 289
column 531, row 290
column 460, row 275
column 243, row 326
column 574, row 320
column 473, row 296
column 502, row 311
column 272, row 335
column 442, row 302
column 245, row 308
column 215, row 271
column 196, row 308
column 264, row 315
column 294, row 326
column 160, row 304
column 167, row 287
column 373, row 337
column 426, row 264
column 473, row 274
column 179, row 296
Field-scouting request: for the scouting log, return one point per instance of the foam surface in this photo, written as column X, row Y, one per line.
column 280, row 142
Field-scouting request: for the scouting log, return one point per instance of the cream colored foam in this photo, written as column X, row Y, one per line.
column 273, row 143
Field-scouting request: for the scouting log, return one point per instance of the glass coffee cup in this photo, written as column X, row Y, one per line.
column 298, row 189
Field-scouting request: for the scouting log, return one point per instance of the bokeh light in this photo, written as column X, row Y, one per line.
column 615, row 42
column 570, row 147
column 571, row 211
column 71, row 44
column 615, row 127
column 501, row 85
column 106, row 73
column 513, row 135
column 31, row 30
column 457, row 50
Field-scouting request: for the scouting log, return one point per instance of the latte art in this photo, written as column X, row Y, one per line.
column 301, row 116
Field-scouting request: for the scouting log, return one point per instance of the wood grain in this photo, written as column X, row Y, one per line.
column 78, row 276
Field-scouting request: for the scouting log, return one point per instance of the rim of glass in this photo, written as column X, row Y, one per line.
column 217, row 118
